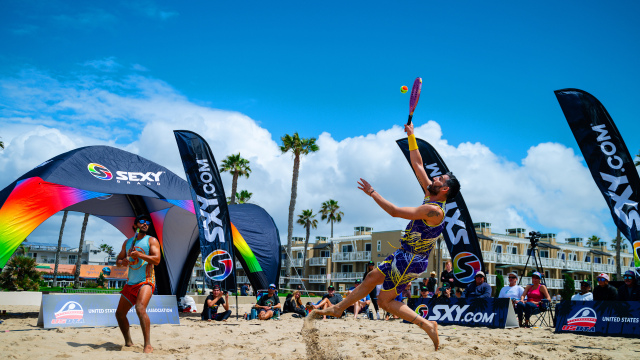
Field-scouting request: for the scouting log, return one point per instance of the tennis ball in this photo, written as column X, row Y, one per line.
column 404, row 89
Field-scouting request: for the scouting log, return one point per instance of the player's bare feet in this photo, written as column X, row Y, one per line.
column 148, row 349
column 330, row 311
column 431, row 328
column 128, row 343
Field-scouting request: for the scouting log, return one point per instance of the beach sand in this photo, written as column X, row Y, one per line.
column 288, row 338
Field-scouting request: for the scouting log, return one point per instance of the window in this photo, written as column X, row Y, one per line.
column 575, row 277
column 299, row 256
column 546, row 274
column 323, row 271
column 597, row 260
column 72, row 259
column 610, row 261
column 544, row 253
column 499, row 249
column 379, row 245
column 282, row 273
column 324, row 253
column 587, row 258
column 283, row 256
column 347, row 248
column 347, row 268
column 321, row 287
column 499, row 271
column 561, row 255
column 367, row 247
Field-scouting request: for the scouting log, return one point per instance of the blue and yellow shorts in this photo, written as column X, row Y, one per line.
column 401, row 268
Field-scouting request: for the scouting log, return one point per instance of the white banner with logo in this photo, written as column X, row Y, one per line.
column 79, row 310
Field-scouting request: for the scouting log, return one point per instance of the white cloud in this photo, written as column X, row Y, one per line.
column 551, row 190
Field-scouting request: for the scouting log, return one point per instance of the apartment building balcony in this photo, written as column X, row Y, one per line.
column 318, row 279
column 346, row 276
column 551, row 283
column 295, row 280
column 297, row 263
column 351, row 256
column 242, row 280
column 318, row 261
column 547, row 263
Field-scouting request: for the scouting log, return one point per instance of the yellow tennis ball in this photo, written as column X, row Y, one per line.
column 404, row 89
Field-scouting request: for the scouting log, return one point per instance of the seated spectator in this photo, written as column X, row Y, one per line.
column 294, row 304
column 329, row 299
column 585, row 292
column 478, row 288
column 534, row 294
column 630, row 291
column 443, row 294
column 513, row 291
column 269, row 304
column 604, row 291
column 424, row 292
column 459, row 293
column 211, row 303
column 359, row 306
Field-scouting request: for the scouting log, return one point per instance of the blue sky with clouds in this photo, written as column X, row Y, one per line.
column 127, row 73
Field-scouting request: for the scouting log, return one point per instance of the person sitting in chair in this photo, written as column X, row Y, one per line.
column 269, row 304
column 630, row 291
column 513, row 291
column 359, row 306
column 534, row 294
column 585, row 292
column 604, row 291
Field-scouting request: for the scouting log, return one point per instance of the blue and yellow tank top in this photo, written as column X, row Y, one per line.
column 419, row 238
column 140, row 270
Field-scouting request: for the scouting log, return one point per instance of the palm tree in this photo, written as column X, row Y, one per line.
column 76, row 277
column 593, row 241
column 243, row 196
column 20, row 273
column 55, row 267
column 237, row 166
column 330, row 212
column 637, row 162
column 307, row 220
column 617, row 242
column 298, row 147
column 1, row 145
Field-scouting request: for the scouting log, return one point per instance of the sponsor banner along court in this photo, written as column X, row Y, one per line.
column 487, row 312
column 80, row 310
column 610, row 318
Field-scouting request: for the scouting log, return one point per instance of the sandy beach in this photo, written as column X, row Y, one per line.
column 346, row 338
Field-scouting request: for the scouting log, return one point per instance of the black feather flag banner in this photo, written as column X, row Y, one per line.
column 459, row 232
column 608, row 159
column 216, row 241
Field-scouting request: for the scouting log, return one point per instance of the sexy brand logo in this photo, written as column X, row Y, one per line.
column 465, row 267
column 99, row 171
column 457, row 313
column 218, row 265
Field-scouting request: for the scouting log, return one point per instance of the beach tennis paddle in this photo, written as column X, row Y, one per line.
column 415, row 95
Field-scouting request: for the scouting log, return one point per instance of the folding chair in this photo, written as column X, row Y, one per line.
column 545, row 314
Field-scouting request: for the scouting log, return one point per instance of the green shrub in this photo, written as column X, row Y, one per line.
column 499, row 284
column 91, row 285
column 20, row 274
column 569, row 288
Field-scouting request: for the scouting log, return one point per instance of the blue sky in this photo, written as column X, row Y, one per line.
column 98, row 72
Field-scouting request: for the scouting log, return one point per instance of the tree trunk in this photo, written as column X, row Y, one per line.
column 55, row 268
column 292, row 206
column 618, row 247
column 234, row 188
column 306, row 243
column 76, row 277
column 332, row 228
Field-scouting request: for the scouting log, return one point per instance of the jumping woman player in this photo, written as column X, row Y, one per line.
column 140, row 254
column 410, row 261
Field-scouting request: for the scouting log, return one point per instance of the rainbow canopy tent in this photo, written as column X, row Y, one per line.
column 116, row 186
